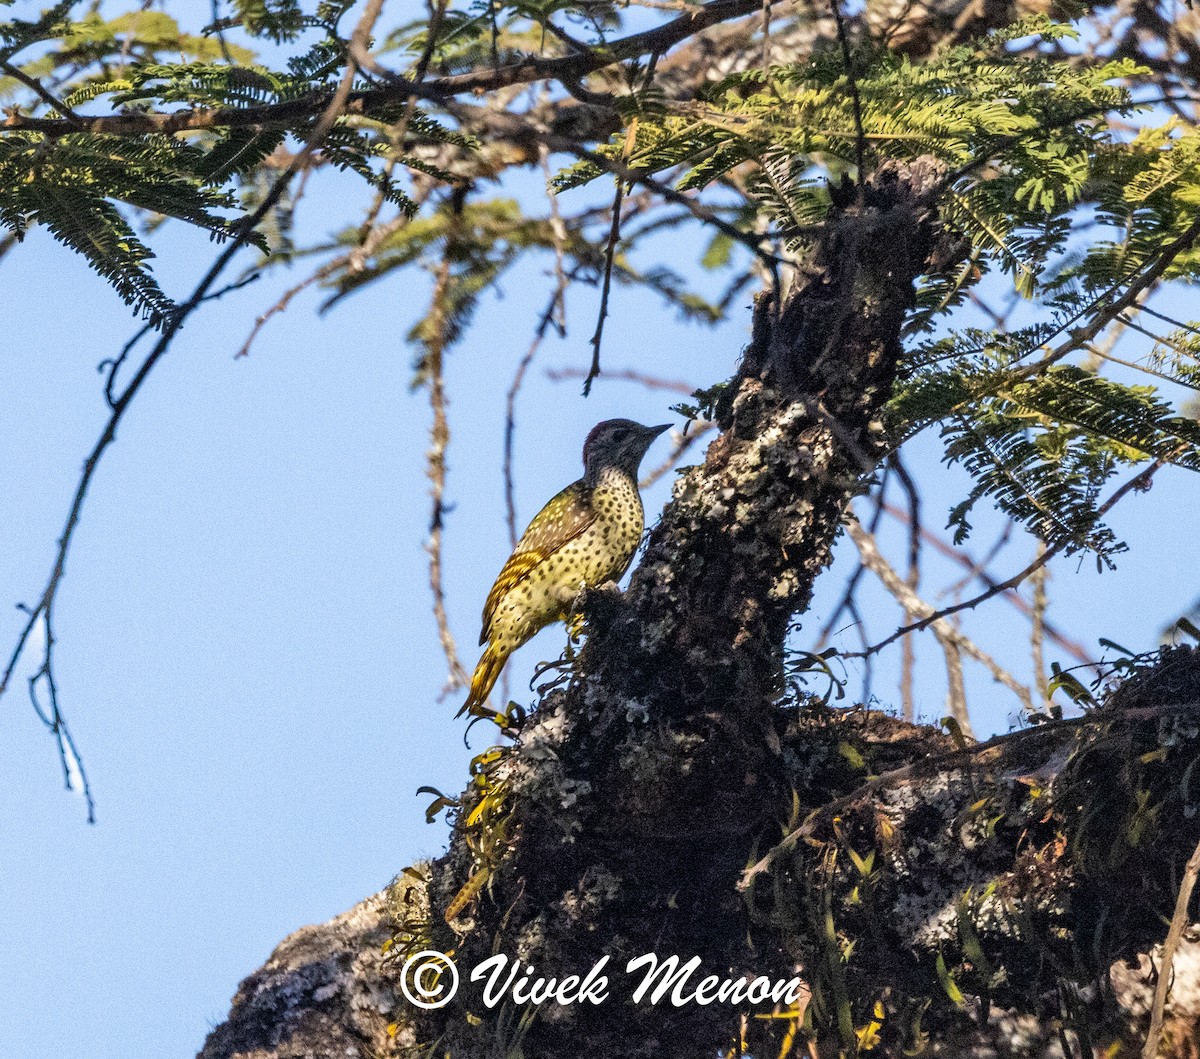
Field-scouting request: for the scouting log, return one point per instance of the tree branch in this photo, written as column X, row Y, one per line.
column 1139, row 483
column 43, row 609
column 570, row 68
column 946, row 633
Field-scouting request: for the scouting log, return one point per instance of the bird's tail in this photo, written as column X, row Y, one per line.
column 486, row 672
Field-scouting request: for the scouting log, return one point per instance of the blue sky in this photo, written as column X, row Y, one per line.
column 247, row 654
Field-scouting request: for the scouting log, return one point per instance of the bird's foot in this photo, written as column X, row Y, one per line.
column 504, row 721
column 575, row 622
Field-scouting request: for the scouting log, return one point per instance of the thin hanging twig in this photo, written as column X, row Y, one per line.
column 1179, row 922
column 42, row 611
column 510, row 417
column 1137, row 483
column 610, row 250
column 439, row 440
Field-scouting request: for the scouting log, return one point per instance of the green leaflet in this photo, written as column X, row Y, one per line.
column 69, row 185
column 1040, row 448
column 77, row 184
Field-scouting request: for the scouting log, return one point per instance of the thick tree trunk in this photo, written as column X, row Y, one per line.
column 1052, row 854
column 969, row 898
column 984, row 897
column 634, row 796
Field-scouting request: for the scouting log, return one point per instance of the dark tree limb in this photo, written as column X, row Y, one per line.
column 683, row 674
column 564, row 69
column 1065, row 896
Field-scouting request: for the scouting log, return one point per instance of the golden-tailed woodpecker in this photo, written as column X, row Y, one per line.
column 585, row 536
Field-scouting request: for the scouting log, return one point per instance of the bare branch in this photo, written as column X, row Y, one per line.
column 1138, row 483
column 43, row 609
column 951, row 638
column 1179, row 922
column 977, row 570
column 1037, row 634
column 956, row 687
column 651, row 382
column 36, row 86
column 281, row 305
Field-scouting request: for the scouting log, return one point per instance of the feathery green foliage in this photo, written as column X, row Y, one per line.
column 70, row 184
column 1032, row 159
column 1042, row 185
column 75, row 185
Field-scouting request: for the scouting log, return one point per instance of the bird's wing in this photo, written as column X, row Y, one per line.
column 567, row 514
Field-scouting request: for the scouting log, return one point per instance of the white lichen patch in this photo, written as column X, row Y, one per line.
column 933, row 856
column 582, row 905
column 928, row 920
column 570, row 791
column 636, row 712
column 536, row 772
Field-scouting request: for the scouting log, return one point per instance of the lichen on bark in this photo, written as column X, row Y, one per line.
column 959, row 897
column 638, row 789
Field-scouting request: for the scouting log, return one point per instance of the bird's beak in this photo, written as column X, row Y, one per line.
column 655, row 431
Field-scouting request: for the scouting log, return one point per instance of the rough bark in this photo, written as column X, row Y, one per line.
column 984, row 900
column 991, row 888
column 633, row 797
column 323, row 992
column 1060, row 848
column 631, row 800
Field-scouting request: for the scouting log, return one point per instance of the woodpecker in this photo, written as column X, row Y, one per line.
column 585, row 536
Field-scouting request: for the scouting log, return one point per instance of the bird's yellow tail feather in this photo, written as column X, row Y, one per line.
column 482, row 682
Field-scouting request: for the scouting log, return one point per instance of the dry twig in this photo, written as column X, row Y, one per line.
column 42, row 612
column 439, row 439
column 1137, row 483
column 1179, row 922
column 949, row 636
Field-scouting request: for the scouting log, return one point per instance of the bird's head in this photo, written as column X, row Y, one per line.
column 619, row 443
